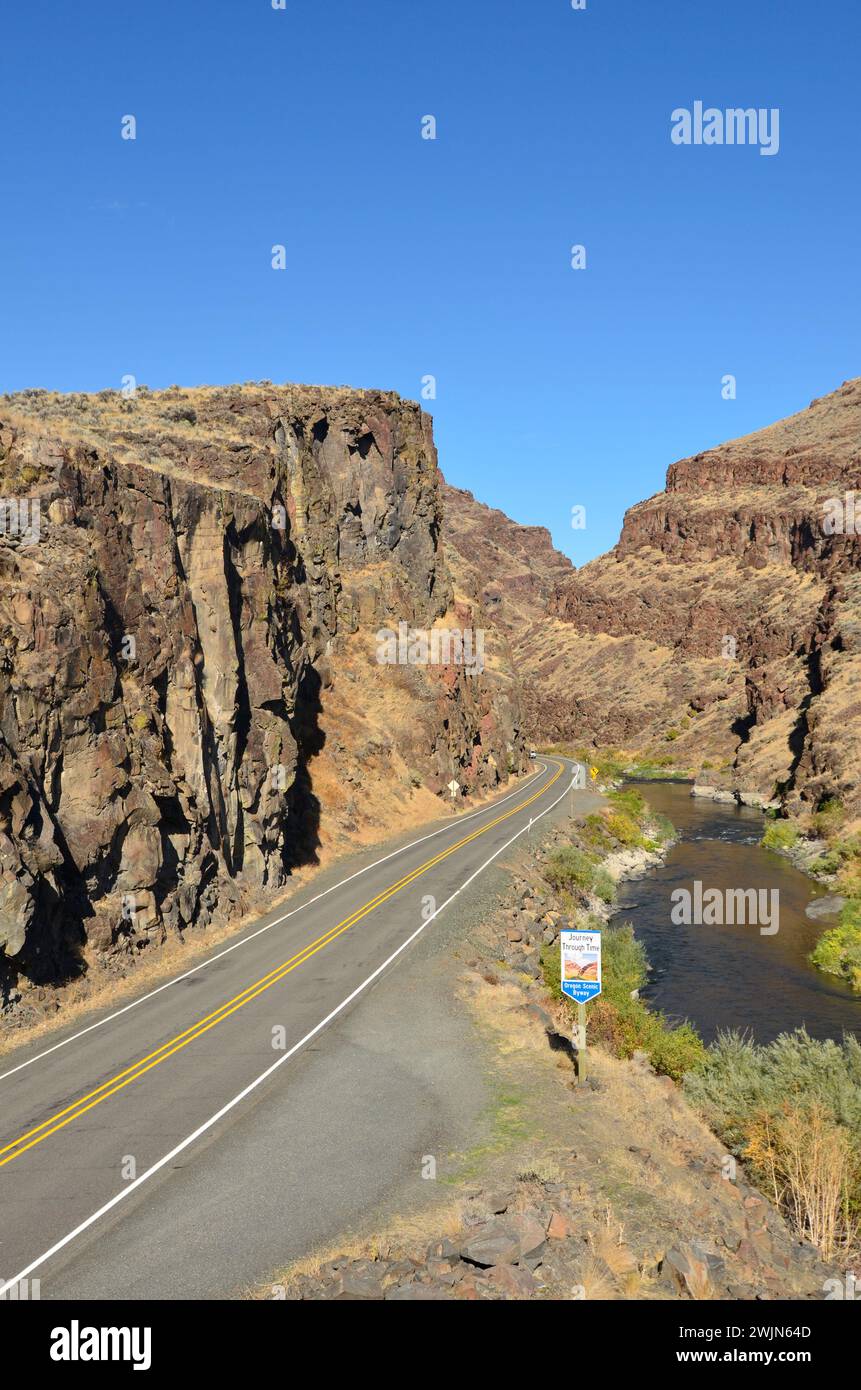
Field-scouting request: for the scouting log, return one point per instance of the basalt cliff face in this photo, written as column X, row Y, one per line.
column 723, row 632
column 191, row 701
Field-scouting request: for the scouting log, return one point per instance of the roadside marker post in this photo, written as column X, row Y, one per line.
column 578, row 782
column 580, row 972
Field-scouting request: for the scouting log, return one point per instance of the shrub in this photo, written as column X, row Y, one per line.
column 595, row 833
column 829, row 816
column 662, row 828
column 625, row 1025
column 810, row 1169
column 792, row 1109
column 674, row 1050
column 838, row 950
column 780, row 835
column 742, row 1079
column 625, row 823
column 629, row 801
column 569, row 868
column 624, row 829
column 182, row 414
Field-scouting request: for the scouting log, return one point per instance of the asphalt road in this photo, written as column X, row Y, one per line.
column 244, row 1110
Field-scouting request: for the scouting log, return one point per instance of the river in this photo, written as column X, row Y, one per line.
column 731, row 976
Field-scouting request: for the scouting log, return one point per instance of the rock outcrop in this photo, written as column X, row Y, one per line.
column 723, row 632
column 189, row 655
column 193, row 588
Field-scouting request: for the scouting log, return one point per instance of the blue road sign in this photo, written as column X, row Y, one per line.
column 581, row 964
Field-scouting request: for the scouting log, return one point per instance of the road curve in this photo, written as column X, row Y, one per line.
column 116, row 1132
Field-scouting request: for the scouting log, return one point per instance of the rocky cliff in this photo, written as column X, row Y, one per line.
column 724, row 630
column 192, row 584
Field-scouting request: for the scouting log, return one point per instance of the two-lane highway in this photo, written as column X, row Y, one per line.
column 96, row 1122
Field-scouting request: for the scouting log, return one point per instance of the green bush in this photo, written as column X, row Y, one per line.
column 629, row 801
column 829, row 817
column 623, row 1024
column 654, row 765
column 838, row 950
column 625, row 830
column 780, row 835
column 826, row 865
column 741, row 1079
column 569, row 868
column 792, row 1110
column 662, row 828
column 674, row 1051
column 595, row 833
column 628, row 822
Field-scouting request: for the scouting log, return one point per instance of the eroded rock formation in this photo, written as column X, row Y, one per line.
column 723, row 632
column 188, row 655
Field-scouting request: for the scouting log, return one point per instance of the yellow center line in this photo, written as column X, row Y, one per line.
column 203, row 1025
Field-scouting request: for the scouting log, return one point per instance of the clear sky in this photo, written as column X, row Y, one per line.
column 406, row 257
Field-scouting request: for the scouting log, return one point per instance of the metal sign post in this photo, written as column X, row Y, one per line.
column 581, row 1043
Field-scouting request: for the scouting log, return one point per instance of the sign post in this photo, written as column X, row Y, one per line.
column 578, row 781
column 454, row 788
column 581, row 981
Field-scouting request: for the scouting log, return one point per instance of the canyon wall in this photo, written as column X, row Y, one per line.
column 724, row 629
column 191, row 701
column 721, row 634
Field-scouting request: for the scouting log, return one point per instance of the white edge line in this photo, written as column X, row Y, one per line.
column 264, row 1075
column 253, row 935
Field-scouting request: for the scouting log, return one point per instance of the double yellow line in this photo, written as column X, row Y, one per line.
column 154, row 1059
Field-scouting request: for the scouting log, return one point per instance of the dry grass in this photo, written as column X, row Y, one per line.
column 499, row 1010
column 595, row 1279
column 401, row 1236
column 809, row 1167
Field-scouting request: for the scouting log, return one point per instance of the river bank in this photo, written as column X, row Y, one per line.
column 614, row 1189
column 729, row 976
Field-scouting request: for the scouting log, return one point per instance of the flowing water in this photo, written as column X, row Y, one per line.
column 732, row 976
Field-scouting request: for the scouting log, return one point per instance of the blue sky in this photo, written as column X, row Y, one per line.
column 408, row 257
